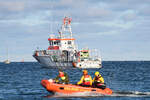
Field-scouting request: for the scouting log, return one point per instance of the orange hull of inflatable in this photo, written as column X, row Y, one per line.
column 70, row 89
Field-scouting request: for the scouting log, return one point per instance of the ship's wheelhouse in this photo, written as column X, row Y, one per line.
column 53, row 44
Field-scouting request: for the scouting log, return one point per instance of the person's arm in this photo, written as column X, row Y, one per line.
column 67, row 78
column 91, row 80
column 81, row 80
column 102, row 80
column 57, row 79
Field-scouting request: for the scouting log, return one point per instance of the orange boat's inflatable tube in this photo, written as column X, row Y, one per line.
column 69, row 88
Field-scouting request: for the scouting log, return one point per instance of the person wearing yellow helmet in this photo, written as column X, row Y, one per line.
column 98, row 81
column 86, row 80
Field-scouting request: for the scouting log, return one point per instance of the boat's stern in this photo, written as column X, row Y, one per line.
column 108, row 91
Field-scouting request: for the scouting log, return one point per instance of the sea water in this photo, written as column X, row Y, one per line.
column 130, row 80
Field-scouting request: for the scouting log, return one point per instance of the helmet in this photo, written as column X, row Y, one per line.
column 60, row 70
column 97, row 73
column 85, row 72
column 61, row 74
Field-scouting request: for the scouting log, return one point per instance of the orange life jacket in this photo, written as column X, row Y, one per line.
column 86, row 80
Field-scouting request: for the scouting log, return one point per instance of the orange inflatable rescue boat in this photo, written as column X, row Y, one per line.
column 70, row 89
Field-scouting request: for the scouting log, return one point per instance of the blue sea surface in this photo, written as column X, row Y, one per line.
column 130, row 80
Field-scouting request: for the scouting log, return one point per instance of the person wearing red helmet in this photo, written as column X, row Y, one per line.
column 62, row 78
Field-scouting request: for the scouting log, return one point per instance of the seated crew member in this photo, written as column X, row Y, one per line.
column 98, row 81
column 86, row 80
column 62, row 78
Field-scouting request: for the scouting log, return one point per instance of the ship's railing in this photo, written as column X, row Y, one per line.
column 55, row 55
column 95, row 54
column 89, row 55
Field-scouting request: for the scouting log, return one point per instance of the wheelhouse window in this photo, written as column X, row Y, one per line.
column 51, row 43
column 56, row 42
column 69, row 42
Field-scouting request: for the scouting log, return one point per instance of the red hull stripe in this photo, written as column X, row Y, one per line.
column 53, row 47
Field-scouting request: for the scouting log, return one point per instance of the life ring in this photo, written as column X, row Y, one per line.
column 78, row 54
column 78, row 59
column 36, row 53
column 74, row 64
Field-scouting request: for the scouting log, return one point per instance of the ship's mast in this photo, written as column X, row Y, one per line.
column 66, row 27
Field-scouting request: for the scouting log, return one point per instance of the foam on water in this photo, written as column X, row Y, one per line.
column 131, row 94
column 79, row 94
column 91, row 94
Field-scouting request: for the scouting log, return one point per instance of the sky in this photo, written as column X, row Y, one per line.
column 119, row 29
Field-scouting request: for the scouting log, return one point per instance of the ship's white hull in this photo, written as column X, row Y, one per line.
column 46, row 61
column 88, row 64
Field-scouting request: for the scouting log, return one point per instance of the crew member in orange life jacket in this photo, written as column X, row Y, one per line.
column 62, row 78
column 86, row 80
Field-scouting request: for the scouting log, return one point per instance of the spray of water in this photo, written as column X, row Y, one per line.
column 91, row 94
column 131, row 94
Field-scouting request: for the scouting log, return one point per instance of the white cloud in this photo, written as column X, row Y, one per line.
column 12, row 6
column 120, row 20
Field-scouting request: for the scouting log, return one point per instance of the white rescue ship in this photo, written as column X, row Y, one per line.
column 62, row 51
